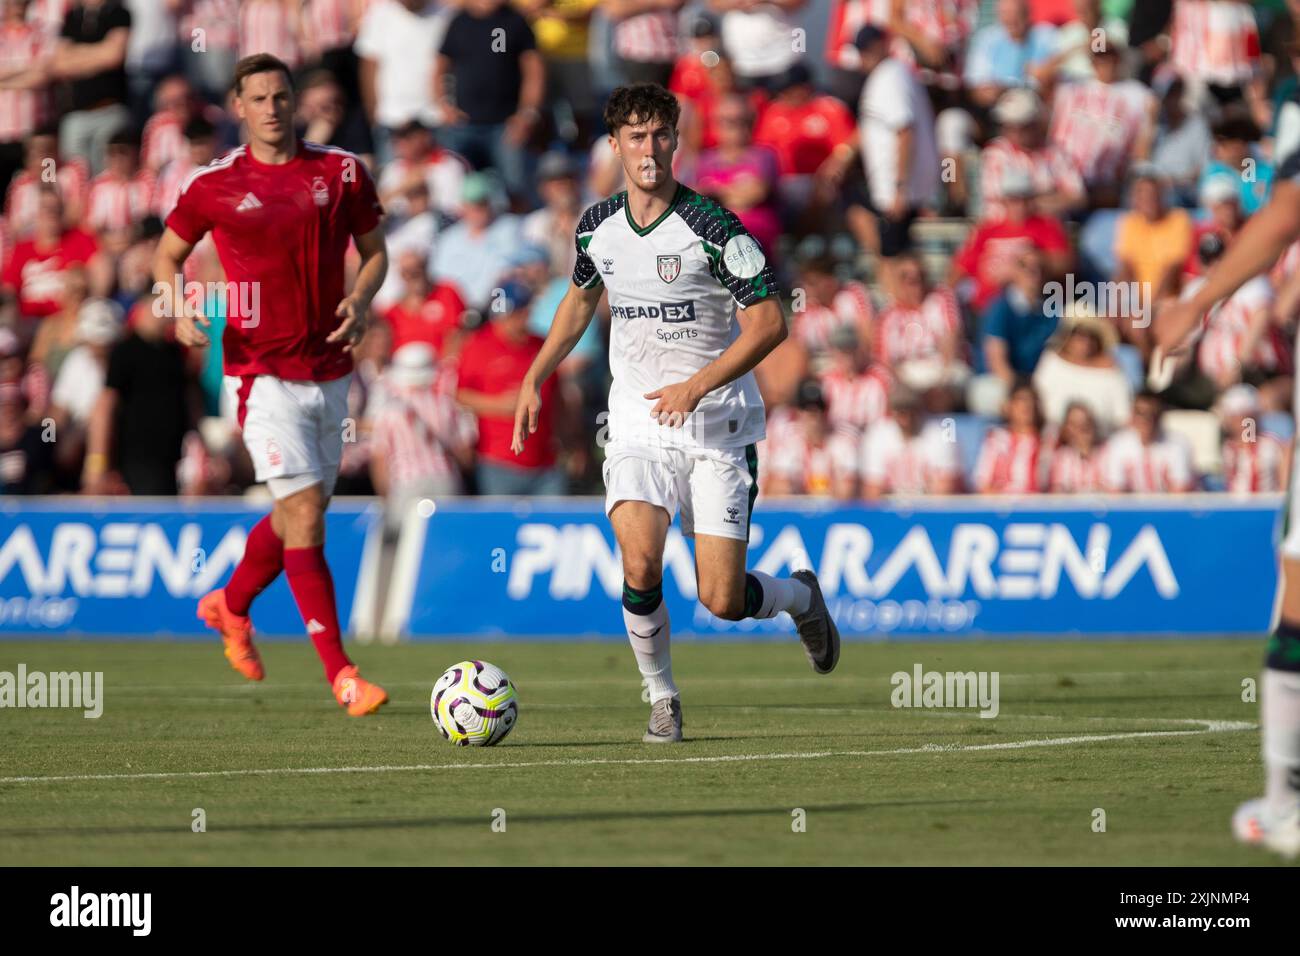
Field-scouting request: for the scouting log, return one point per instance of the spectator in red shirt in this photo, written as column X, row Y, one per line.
column 812, row 135
column 986, row 263
column 426, row 312
column 34, row 273
column 492, row 367
column 699, row 124
column 691, row 73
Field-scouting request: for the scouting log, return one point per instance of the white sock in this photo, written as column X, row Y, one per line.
column 1280, row 714
column 781, row 594
column 648, row 634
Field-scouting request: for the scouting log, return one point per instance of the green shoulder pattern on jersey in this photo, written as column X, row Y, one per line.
column 585, row 273
column 715, row 226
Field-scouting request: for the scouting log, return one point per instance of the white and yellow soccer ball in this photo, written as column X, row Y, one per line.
column 474, row 704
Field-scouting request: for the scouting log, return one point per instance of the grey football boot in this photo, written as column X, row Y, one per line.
column 817, row 631
column 665, row 722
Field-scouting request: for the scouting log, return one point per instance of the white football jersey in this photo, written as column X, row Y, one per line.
column 673, row 290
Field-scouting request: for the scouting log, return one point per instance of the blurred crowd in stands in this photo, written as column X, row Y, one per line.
column 975, row 208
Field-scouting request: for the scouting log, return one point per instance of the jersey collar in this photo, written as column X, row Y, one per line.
column 627, row 209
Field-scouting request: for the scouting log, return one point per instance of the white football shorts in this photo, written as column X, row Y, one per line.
column 715, row 488
column 293, row 430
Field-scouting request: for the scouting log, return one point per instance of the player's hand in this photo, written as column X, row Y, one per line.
column 1174, row 324
column 527, row 407
column 674, row 403
column 353, row 326
column 188, row 332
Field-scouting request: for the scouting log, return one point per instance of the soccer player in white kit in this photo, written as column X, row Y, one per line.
column 684, row 409
column 1274, row 820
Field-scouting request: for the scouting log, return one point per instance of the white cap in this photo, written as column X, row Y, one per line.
column 413, row 365
column 1219, row 189
column 1239, row 400
column 99, row 321
column 1018, row 106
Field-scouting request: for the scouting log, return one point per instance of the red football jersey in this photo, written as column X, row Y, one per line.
column 281, row 232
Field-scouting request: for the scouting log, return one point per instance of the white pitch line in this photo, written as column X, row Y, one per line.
column 822, row 681
column 1208, row 727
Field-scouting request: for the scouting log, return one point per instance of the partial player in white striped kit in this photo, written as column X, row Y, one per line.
column 1274, row 820
column 684, row 409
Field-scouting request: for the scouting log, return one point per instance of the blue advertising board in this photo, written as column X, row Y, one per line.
column 951, row 568
column 109, row 568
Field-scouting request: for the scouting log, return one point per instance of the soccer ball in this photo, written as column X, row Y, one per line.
column 473, row 704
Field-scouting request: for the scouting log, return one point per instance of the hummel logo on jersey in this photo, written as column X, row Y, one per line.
column 607, row 267
column 314, row 626
column 248, row 202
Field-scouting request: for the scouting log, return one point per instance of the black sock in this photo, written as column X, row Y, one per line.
column 643, row 602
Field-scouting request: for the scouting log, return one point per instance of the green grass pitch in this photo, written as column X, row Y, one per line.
column 766, row 736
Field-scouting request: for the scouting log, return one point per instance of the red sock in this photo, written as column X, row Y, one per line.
column 262, row 563
column 313, row 591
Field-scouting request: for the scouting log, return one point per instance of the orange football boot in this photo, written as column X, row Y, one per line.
column 357, row 694
column 236, row 633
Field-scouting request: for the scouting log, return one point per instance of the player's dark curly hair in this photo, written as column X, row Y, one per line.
column 640, row 103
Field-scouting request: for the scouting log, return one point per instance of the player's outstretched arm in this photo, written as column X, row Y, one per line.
column 762, row 328
column 169, row 289
column 571, row 320
column 354, row 308
column 1264, row 237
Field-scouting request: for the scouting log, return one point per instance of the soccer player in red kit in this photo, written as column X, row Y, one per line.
column 282, row 213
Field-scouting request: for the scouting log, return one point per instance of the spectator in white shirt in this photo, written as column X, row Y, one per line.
column 1080, row 366
column 1077, row 463
column 809, row 456
column 396, row 43
column 905, row 455
column 1253, row 459
column 81, row 376
column 1143, row 459
column 1011, row 456
column 758, row 37
column 896, row 134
